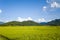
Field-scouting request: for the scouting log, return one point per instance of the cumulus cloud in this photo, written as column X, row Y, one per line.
column 24, row 19
column 29, row 18
column 20, row 19
column 55, row 5
column 41, row 20
column 51, row 5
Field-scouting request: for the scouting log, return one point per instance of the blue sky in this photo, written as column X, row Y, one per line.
column 37, row 10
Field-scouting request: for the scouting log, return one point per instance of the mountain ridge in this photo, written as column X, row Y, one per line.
column 24, row 23
column 55, row 22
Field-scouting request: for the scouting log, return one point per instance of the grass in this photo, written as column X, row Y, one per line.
column 30, row 33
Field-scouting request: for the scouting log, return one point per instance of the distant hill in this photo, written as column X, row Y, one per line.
column 1, row 22
column 24, row 23
column 55, row 22
column 43, row 23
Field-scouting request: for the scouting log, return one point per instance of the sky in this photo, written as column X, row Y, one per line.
column 23, row 10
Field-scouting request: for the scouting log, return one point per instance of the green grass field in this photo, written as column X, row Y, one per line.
column 30, row 33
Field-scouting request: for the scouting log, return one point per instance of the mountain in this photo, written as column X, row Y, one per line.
column 43, row 23
column 1, row 22
column 24, row 23
column 55, row 22
column 28, row 23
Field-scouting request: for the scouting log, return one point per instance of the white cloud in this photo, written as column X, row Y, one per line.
column 0, row 11
column 29, row 18
column 41, row 20
column 55, row 5
column 51, row 5
column 44, row 8
column 24, row 19
column 20, row 19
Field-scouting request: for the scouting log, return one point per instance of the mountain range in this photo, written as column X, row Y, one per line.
column 55, row 22
column 24, row 23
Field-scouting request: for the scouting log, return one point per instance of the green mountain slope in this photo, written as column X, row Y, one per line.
column 24, row 23
column 55, row 22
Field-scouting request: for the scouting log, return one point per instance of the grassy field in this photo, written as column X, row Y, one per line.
column 30, row 33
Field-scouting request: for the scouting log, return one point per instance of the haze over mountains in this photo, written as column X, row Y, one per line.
column 1, row 22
